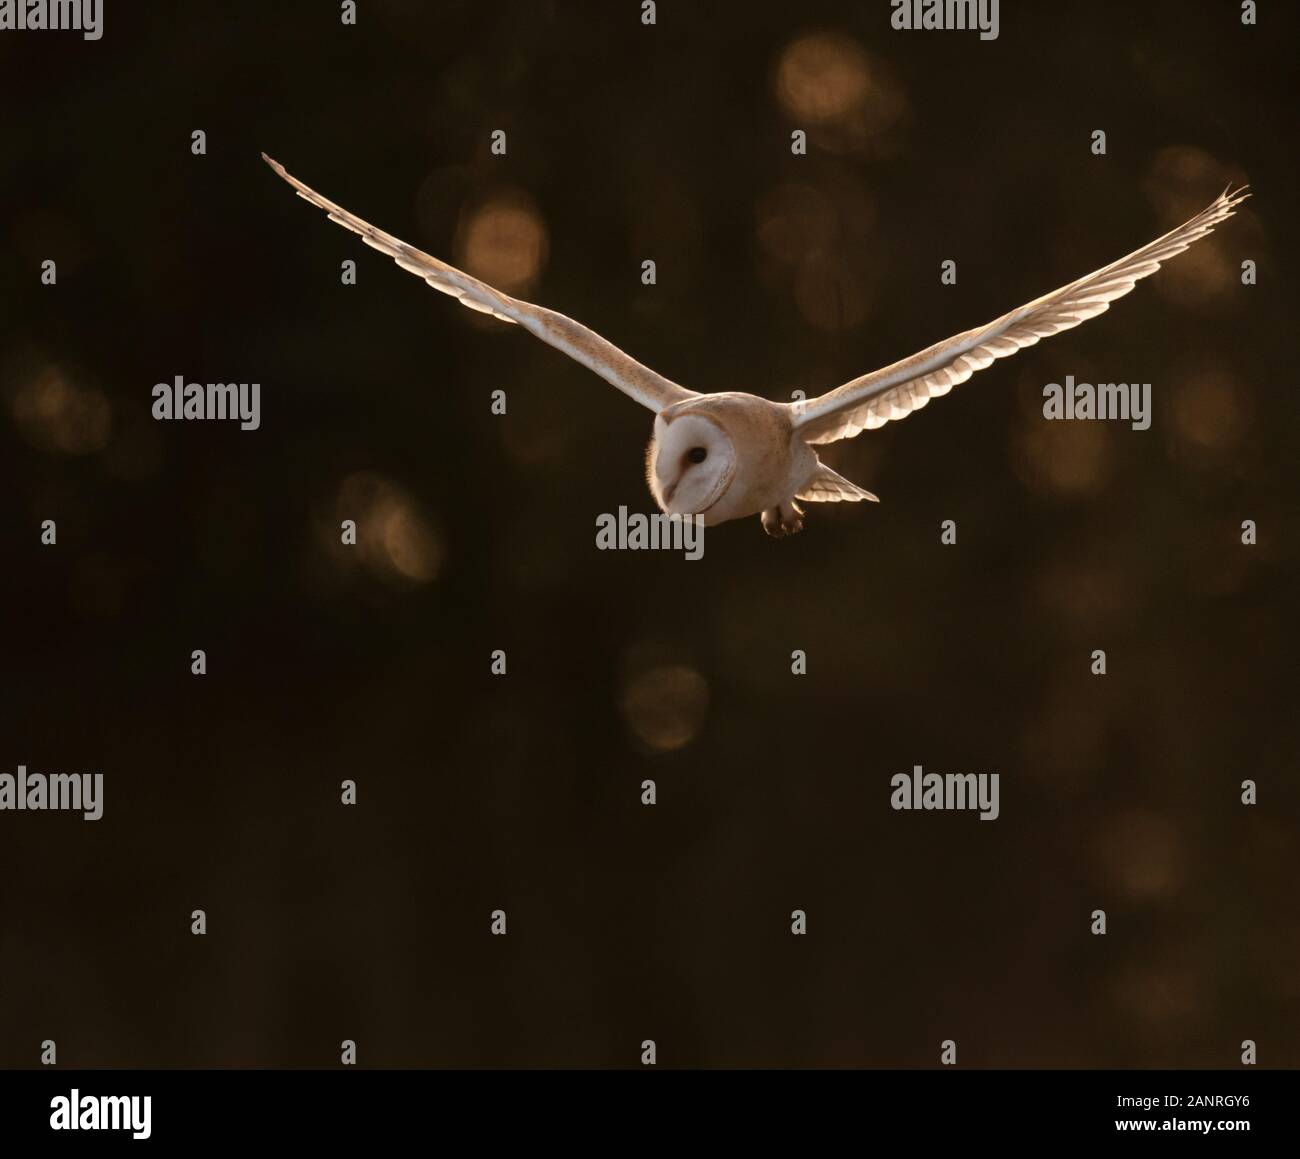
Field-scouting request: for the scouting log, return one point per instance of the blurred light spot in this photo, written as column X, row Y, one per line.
column 1159, row 996
column 1206, row 277
column 832, row 84
column 1181, row 181
column 666, row 706
column 1066, row 458
column 1144, row 853
column 1212, row 412
column 814, row 239
column 830, row 295
column 394, row 538
column 1087, row 588
column 795, row 219
column 822, row 77
column 503, row 242
column 56, row 414
column 1066, row 743
column 409, row 545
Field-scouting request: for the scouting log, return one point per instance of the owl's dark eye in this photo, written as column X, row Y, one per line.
column 697, row 454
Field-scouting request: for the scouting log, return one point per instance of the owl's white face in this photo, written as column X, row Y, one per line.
column 690, row 464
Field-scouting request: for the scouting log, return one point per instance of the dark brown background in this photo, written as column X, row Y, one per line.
column 775, row 273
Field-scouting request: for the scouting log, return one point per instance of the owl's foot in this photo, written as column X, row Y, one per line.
column 786, row 519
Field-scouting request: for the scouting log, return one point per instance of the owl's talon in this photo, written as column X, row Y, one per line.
column 786, row 519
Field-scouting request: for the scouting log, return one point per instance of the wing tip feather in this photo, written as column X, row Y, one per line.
column 276, row 166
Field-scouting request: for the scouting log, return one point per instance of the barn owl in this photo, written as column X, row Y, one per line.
column 729, row 454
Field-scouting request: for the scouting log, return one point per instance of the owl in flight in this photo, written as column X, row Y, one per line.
column 730, row 454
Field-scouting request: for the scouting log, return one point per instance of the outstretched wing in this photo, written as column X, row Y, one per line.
column 586, row 346
column 897, row 390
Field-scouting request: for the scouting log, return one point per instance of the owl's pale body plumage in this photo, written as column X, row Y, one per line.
column 728, row 455
column 755, row 461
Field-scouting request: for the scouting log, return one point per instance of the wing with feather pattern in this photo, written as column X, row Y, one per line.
column 585, row 346
column 906, row 386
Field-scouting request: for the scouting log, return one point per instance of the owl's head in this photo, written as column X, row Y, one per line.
column 690, row 463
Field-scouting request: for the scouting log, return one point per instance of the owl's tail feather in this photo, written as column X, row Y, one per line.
column 825, row 486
